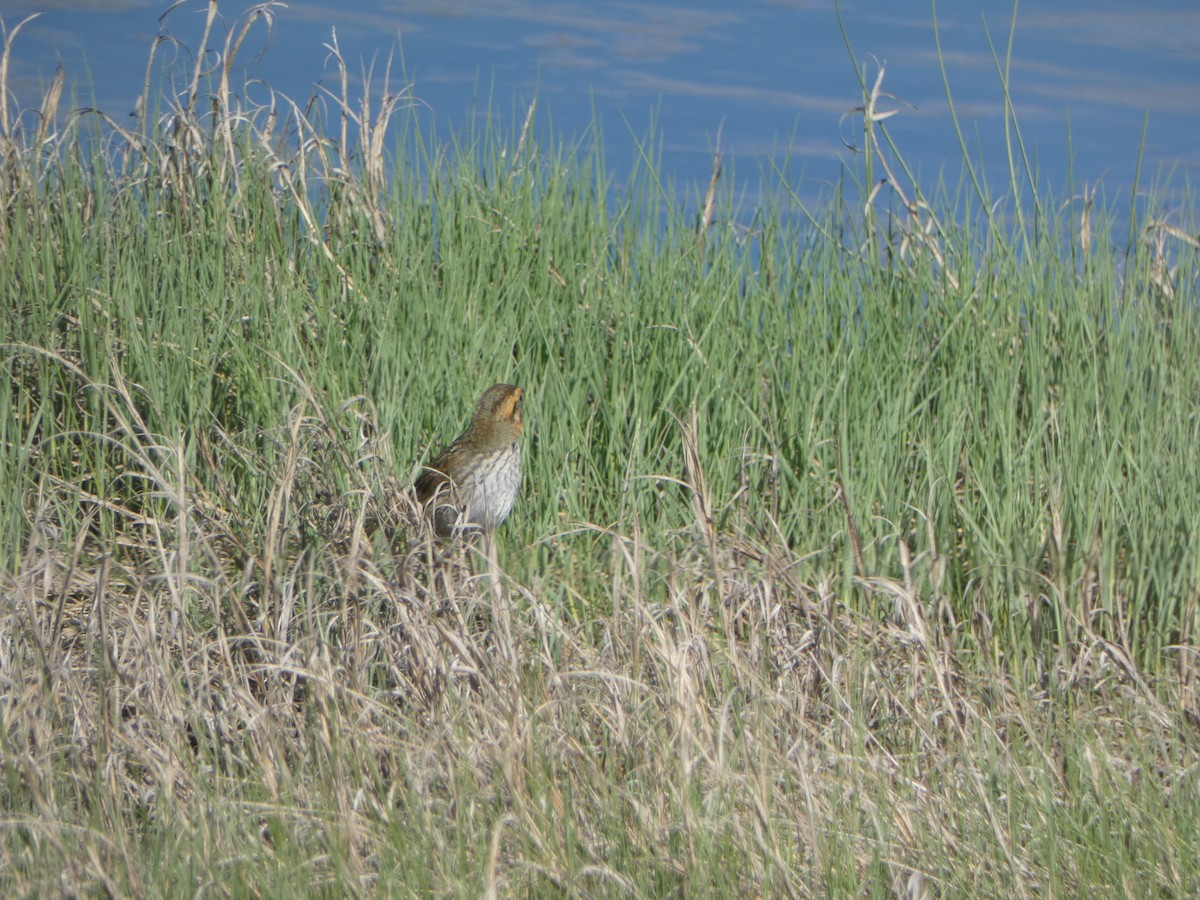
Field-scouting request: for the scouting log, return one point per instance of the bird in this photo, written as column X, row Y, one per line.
column 471, row 486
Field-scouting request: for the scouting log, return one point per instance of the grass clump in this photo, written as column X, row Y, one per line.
column 855, row 552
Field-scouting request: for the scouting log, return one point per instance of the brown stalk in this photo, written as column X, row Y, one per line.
column 710, row 199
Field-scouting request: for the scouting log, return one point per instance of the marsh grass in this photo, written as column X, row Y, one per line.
column 855, row 552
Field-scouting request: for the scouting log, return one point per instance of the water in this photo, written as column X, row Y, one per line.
column 1093, row 83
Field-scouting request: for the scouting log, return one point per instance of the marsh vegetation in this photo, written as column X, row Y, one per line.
column 856, row 551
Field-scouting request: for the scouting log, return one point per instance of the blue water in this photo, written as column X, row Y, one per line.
column 1093, row 83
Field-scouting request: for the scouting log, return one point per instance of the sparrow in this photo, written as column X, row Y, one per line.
column 470, row 487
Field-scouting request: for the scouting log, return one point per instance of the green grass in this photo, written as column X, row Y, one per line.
column 855, row 551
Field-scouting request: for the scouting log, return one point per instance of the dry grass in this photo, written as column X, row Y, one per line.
column 295, row 699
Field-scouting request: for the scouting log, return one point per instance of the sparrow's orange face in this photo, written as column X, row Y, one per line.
column 512, row 408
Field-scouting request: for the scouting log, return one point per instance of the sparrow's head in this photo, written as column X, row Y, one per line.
column 499, row 416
